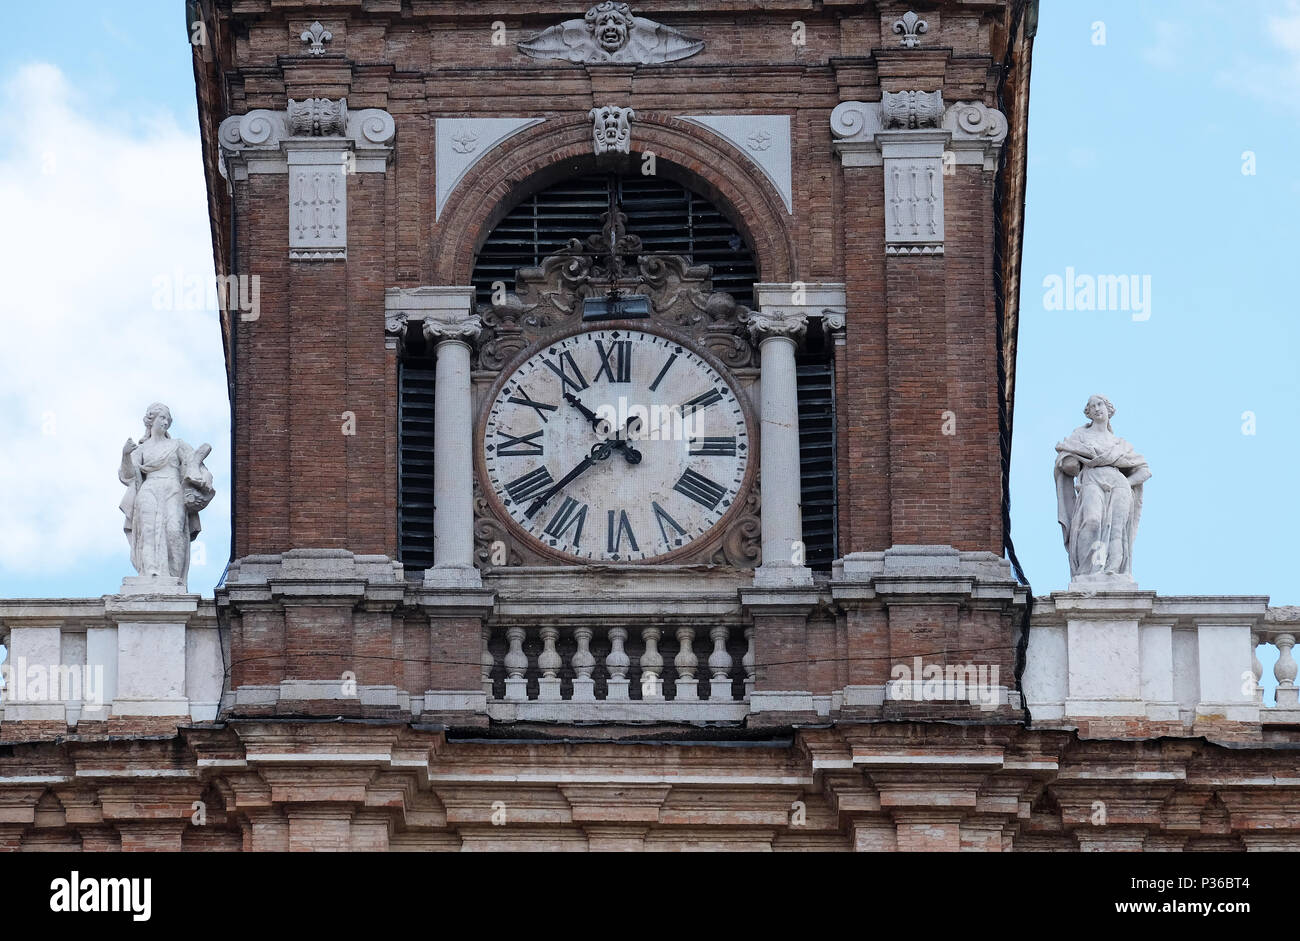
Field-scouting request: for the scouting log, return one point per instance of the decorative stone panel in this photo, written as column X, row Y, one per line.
column 319, row 143
column 764, row 138
column 917, row 141
column 463, row 142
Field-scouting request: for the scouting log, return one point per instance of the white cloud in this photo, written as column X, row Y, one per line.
column 1272, row 71
column 94, row 212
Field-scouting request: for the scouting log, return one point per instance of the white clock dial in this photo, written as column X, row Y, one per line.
column 616, row 445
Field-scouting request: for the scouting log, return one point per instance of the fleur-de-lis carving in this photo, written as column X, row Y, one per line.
column 911, row 27
column 318, row 36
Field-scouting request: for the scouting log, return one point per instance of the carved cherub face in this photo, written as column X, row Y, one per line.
column 610, row 24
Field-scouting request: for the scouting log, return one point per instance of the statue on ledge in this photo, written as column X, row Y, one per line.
column 1099, row 480
column 166, row 487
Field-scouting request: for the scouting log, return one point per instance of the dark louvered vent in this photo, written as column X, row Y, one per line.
column 415, row 464
column 668, row 217
column 817, row 458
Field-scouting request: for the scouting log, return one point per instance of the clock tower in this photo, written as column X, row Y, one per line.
column 605, row 380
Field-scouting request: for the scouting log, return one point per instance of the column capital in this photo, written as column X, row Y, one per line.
column 261, row 140
column 785, row 308
column 863, row 131
column 444, row 312
column 769, row 324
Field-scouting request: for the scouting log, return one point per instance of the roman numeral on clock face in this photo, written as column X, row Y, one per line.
column 565, row 366
column 701, row 401
column 662, row 517
column 621, row 369
column 541, row 408
column 700, row 489
column 615, row 539
column 714, row 446
column 663, row 372
column 511, row 446
column 570, row 514
column 534, row 482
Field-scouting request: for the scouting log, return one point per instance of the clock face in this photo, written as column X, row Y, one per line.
column 616, row 445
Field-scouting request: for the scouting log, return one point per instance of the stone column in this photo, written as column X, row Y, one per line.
column 777, row 327
column 453, row 472
column 450, row 325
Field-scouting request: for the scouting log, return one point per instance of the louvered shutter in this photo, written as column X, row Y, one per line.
column 817, row 459
column 415, row 464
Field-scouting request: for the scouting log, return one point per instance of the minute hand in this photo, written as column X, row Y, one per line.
column 599, row 452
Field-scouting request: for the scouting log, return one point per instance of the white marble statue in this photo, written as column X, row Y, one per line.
column 1099, row 480
column 166, row 486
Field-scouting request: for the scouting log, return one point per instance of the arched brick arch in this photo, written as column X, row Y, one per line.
column 561, row 147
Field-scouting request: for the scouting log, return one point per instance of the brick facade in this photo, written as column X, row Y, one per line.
column 364, row 709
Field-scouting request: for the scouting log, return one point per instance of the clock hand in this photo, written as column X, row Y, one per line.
column 599, row 452
column 590, row 415
column 620, row 441
column 632, row 455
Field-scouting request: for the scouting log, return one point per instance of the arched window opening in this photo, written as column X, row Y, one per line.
column 669, row 218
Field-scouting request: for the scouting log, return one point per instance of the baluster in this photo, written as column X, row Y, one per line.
column 549, row 662
column 584, row 664
column 720, row 664
column 487, row 661
column 516, row 666
column 616, row 664
column 1285, row 671
column 748, row 662
column 686, row 662
column 652, row 665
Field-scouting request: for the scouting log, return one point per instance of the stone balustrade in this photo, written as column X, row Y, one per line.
column 76, row 661
column 1279, row 631
column 593, row 672
column 1171, row 665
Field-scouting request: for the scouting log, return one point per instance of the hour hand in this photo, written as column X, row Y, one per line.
column 587, row 413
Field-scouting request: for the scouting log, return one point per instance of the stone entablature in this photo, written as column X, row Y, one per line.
column 348, row 785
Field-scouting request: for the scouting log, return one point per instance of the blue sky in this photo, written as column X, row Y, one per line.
column 1135, row 168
